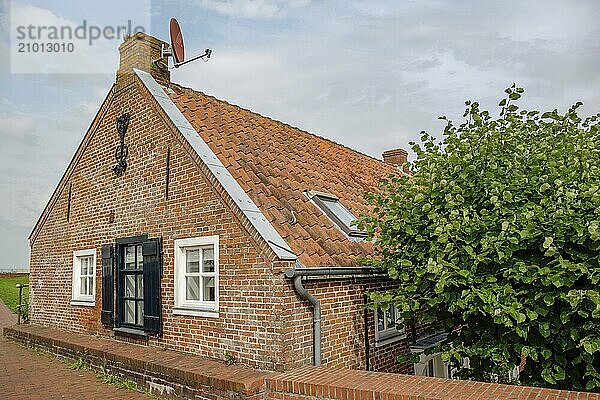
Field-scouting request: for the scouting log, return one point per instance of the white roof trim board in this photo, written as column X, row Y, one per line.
column 247, row 206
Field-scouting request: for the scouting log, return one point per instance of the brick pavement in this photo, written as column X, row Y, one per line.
column 25, row 374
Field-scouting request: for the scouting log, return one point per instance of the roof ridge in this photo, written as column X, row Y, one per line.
column 185, row 88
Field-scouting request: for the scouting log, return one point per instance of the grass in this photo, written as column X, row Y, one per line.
column 79, row 365
column 120, row 382
column 9, row 294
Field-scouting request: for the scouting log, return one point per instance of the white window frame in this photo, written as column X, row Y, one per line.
column 389, row 334
column 320, row 199
column 194, row 307
column 78, row 299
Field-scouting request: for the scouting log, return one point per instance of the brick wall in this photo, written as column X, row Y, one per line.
column 343, row 328
column 312, row 383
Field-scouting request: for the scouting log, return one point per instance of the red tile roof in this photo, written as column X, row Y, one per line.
column 275, row 163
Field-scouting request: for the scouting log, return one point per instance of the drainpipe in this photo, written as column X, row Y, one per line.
column 324, row 273
column 316, row 318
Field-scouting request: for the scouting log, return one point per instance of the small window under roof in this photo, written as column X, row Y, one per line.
column 340, row 215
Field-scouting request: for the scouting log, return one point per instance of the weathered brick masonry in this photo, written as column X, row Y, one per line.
column 168, row 372
column 343, row 341
column 311, row 383
column 262, row 322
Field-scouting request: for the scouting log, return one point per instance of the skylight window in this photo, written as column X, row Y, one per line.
column 337, row 213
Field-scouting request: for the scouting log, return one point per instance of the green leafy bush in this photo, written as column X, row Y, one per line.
column 496, row 239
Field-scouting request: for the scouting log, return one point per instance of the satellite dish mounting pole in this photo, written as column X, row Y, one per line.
column 177, row 49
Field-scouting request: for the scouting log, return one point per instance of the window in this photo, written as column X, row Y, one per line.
column 84, row 278
column 132, row 273
column 336, row 212
column 388, row 326
column 197, row 276
column 138, row 281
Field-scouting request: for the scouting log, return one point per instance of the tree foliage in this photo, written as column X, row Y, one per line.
column 496, row 240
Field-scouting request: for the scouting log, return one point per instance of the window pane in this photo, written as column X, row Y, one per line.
column 339, row 210
column 389, row 318
column 208, row 254
column 192, row 258
column 130, row 257
column 140, row 313
column 380, row 321
column 90, row 266
column 85, row 264
column 140, row 258
column 140, row 286
column 192, row 284
column 130, row 311
column 90, row 285
column 129, row 285
column 209, row 289
column 82, row 286
column 208, row 260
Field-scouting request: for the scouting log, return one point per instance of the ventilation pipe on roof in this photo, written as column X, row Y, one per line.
column 324, row 273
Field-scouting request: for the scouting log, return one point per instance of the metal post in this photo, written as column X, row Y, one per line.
column 20, row 286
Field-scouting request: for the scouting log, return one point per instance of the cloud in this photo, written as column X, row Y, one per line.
column 13, row 246
column 71, row 50
column 372, row 75
column 263, row 9
column 87, row 109
column 18, row 128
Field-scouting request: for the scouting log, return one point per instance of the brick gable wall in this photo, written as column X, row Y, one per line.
column 250, row 319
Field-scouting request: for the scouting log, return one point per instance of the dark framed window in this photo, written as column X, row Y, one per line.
column 138, row 276
column 336, row 212
column 131, row 273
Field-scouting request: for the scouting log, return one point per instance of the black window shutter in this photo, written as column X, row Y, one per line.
column 152, row 274
column 107, row 284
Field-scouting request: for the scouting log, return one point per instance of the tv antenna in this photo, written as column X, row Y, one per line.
column 177, row 49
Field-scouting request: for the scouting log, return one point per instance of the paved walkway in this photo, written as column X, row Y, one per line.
column 25, row 374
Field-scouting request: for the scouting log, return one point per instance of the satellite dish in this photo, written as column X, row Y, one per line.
column 177, row 46
column 177, row 50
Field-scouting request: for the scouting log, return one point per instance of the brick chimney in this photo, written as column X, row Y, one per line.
column 395, row 157
column 143, row 52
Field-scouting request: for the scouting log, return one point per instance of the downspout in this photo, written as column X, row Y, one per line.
column 324, row 273
column 367, row 344
column 316, row 318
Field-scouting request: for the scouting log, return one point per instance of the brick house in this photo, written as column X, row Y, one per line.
column 188, row 223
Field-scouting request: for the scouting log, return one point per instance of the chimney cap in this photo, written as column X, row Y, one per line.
column 397, row 157
column 395, row 152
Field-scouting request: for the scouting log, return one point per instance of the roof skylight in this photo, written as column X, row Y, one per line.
column 336, row 212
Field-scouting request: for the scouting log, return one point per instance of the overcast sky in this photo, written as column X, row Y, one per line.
column 368, row 74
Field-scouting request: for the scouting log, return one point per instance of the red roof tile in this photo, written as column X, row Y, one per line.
column 275, row 163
